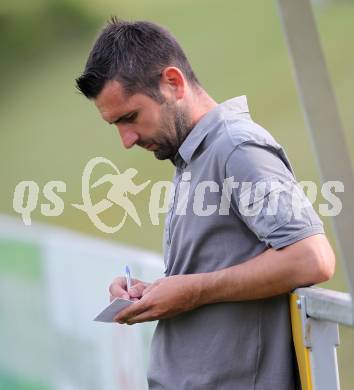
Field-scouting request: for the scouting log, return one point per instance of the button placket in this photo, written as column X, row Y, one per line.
column 173, row 206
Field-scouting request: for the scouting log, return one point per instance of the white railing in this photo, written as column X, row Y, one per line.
column 52, row 284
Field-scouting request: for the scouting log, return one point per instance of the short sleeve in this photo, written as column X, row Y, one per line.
column 267, row 197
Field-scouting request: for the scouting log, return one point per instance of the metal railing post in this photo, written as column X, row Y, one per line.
column 322, row 116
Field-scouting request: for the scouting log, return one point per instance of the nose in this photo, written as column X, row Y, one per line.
column 128, row 137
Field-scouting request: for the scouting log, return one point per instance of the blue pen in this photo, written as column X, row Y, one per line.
column 128, row 277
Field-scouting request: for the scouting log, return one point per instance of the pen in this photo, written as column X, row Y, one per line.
column 128, row 277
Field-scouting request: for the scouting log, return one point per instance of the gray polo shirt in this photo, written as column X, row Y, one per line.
column 231, row 345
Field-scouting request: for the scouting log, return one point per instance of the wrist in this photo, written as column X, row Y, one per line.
column 209, row 287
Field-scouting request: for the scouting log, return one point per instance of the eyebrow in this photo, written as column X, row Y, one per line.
column 124, row 117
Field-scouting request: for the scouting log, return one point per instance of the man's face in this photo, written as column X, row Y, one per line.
column 158, row 127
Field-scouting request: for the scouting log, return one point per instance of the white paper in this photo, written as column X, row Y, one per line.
column 110, row 312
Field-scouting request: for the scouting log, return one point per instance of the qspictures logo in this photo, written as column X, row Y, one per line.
column 122, row 185
column 266, row 197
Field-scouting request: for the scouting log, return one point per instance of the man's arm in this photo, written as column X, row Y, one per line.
column 271, row 273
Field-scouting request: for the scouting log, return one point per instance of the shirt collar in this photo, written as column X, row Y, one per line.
column 237, row 105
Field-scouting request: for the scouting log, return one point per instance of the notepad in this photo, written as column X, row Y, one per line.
column 110, row 312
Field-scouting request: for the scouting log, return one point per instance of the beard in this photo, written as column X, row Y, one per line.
column 174, row 128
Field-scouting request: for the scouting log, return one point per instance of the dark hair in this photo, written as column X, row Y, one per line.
column 133, row 53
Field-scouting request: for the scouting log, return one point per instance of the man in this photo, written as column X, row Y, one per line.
column 223, row 305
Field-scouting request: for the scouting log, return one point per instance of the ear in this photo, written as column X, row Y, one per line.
column 173, row 82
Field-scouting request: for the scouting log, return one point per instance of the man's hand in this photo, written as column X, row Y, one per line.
column 118, row 289
column 164, row 298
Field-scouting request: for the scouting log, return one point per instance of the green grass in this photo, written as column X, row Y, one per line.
column 10, row 382
column 20, row 259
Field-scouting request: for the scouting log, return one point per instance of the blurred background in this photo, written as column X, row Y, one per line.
column 54, row 274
